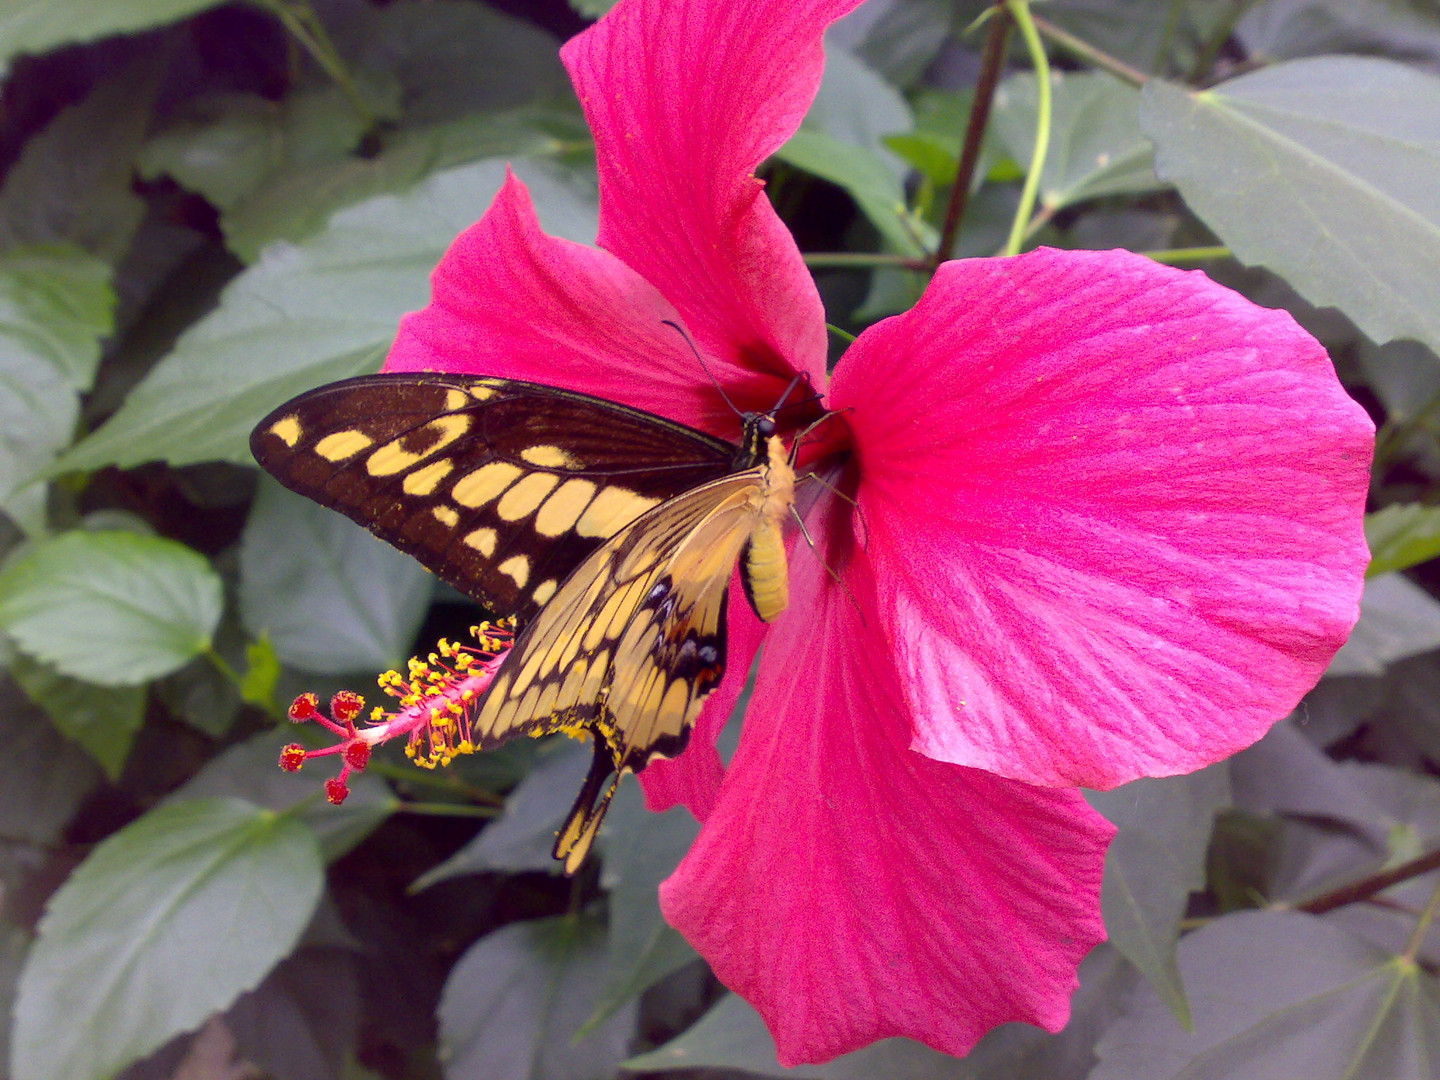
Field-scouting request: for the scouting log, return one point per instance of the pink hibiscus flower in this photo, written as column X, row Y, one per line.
column 1108, row 526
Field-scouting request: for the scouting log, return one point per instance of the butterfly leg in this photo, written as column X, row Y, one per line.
column 583, row 822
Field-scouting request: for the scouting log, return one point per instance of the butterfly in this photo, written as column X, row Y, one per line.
column 608, row 532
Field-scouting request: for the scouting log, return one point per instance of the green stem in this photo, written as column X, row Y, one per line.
column 843, row 335
column 437, row 809
column 1174, row 256
column 1091, row 55
column 829, row 260
column 305, row 27
column 222, row 665
column 440, row 781
column 992, row 63
column 1417, row 936
column 1020, row 12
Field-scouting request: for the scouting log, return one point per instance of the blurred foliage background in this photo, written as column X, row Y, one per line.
column 209, row 207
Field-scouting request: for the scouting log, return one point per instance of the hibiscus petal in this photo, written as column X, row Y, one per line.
column 686, row 98
column 852, row 889
column 511, row 301
column 1114, row 511
column 693, row 779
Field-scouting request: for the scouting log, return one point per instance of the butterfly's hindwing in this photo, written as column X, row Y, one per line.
column 500, row 487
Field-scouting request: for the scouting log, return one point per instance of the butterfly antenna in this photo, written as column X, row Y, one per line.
column 704, row 366
column 835, row 574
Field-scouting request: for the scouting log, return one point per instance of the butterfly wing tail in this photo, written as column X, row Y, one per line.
column 577, row 834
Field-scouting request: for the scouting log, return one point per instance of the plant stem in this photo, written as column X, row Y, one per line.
column 1091, row 55
column 1020, row 12
column 422, row 777
column 843, row 335
column 305, row 27
column 825, row 260
column 1173, row 256
column 1365, row 888
column 992, row 63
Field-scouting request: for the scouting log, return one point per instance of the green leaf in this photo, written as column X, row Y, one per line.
column 1096, row 146
column 262, row 673
column 732, row 1036
column 330, row 597
column 1155, row 861
column 591, row 9
column 523, row 837
column 302, row 1021
column 515, row 1000
column 35, row 26
column 1402, row 536
column 1279, row 994
column 1327, row 171
column 641, row 850
column 843, row 142
column 102, row 719
column 1397, row 619
column 72, row 184
column 55, row 306
column 310, row 314
column 111, row 608
column 43, row 777
column 13, row 944
column 897, row 38
column 166, row 922
column 251, row 771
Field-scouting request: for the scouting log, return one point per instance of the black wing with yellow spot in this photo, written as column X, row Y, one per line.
column 500, row 487
column 609, row 532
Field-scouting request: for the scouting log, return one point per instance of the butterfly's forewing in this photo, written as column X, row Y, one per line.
column 500, row 487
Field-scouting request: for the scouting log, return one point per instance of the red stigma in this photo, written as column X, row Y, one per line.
column 336, row 790
column 305, row 707
column 292, row 757
column 345, row 706
column 357, row 755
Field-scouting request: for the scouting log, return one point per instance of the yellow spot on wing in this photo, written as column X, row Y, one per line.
column 399, row 454
column 612, row 510
column 456, row 399
column 287, row 430
column 483, row 541
column 445, row 515
column 564, row 508
column 544, row 591
column 551, row 457
column 483, row 391
column 522, row 499
column 340, row 445
column 517, row 568
column 479, row 487
column 425, row 481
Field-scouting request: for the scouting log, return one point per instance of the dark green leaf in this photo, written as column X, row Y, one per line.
column 523, row 837
column 310, row 314
column 166, row 922
column 1397, row 619
column 1155, row 862
column 43, row 778
column 641, row 850
column 592, row 9
column 13, row 944
column 1327, row 171
column 1285, row 29
column 72, row 185
column 1402, row 536
column 329, row 596
column 514, row 1002
column 35, row 26
column 1096, row 146
column 1276, row 995
column 251, row 771
column 111, row 608
column 302, row 1021
column 898, row 38
column 102, row 719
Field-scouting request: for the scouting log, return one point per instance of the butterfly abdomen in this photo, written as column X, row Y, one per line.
column 764, row 567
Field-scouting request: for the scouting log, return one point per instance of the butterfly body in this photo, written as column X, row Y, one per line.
column 609, row 532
